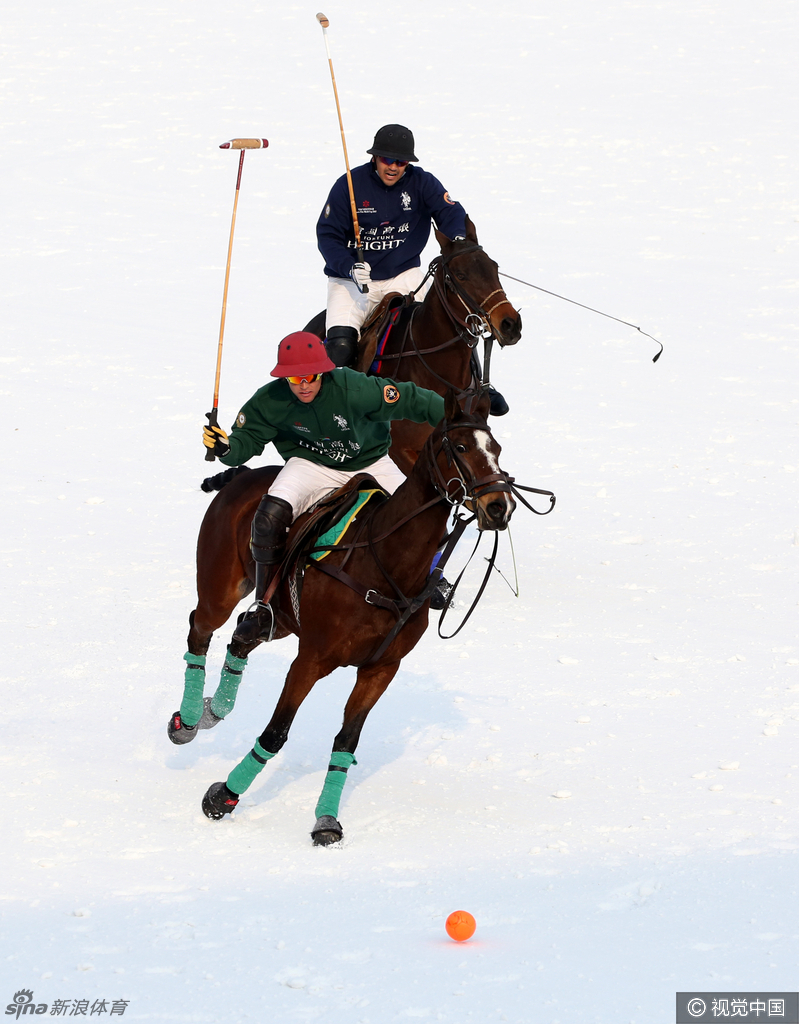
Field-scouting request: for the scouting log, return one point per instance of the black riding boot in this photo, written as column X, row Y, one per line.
column 268, row 544
column 342, row 345
column 499, row 405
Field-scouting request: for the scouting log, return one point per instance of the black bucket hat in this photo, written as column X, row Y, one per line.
column 395, row 142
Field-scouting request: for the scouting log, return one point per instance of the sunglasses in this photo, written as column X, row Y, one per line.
column 388, row 161
column 310, row 378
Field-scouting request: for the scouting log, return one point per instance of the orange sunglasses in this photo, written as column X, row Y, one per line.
column 310, row 378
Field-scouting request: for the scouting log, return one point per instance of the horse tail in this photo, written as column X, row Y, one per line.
column 217, row 482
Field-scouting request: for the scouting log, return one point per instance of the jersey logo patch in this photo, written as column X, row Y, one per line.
column 390, row 394
column 241, row 419
column 448, row 200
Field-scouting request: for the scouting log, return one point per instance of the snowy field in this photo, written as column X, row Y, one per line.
column 640, row 158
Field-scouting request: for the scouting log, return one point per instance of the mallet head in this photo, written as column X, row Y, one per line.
column 245, row 144
column 322, row 20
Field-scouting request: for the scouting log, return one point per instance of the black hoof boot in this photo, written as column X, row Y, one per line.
column 499, row 407
column 209, row 719
column 178, row 731
column 219, row 801
column 326, row 831
column 441, row 596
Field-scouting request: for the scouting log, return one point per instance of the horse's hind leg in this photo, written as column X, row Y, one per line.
column 195, row 713
column 182, row 725
column 369, row 687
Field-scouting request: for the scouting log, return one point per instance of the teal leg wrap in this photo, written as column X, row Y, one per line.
column 191, row 707
column 330, row 797
column 245, row 771
column 224, row 699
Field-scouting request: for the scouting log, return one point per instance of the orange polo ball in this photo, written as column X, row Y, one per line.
column 460, row 925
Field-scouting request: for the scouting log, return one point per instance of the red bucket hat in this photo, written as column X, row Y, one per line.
column 301, row 353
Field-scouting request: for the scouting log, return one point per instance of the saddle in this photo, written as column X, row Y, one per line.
column 391, row 313
column 324, row 515
column 305, row 532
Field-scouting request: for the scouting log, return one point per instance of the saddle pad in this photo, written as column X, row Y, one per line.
column 333, row 536
column 381, row 344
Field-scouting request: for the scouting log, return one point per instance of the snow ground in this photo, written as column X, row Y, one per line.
column 639, row 158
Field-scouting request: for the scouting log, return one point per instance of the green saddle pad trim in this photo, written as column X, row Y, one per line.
column 332, row 536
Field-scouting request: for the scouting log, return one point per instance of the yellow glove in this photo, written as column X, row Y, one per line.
column 216, row 440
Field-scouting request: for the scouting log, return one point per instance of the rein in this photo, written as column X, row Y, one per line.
column 457, row 489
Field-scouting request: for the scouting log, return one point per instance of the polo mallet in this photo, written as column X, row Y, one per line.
column 243, row 145
column 358, row 248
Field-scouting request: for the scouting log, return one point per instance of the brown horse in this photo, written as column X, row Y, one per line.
column 343, row 616
column 435, row 345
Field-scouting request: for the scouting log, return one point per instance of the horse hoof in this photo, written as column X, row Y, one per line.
column 326, row 831
column 178, row 731
column 219, row 801
column 209, row 719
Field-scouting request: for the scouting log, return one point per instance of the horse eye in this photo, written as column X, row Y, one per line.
column 460, row 276
column 461, row 448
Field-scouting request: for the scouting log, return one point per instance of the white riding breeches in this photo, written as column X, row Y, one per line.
column 302, row 483
column 348, row 307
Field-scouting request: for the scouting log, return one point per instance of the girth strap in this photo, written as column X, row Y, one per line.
column 401, row 606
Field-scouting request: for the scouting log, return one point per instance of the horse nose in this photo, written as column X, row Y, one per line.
column 499, row 512
column 511, row 329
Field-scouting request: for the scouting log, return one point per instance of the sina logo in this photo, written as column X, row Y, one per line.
column 406, row 201
column 23, row 1003
column 341, row 421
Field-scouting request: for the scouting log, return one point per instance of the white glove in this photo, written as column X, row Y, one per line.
column 360, row 274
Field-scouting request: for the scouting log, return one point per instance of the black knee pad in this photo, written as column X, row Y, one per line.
column 269, row 526
column 342, row 345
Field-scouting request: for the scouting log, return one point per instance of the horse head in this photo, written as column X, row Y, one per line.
column 465, row 464
column 477, row 295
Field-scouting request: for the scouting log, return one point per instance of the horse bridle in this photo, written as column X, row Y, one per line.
column 469, row 489
column 477, row 321
column 476, row 325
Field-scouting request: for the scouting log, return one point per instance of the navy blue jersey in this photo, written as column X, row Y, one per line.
column 394, row 221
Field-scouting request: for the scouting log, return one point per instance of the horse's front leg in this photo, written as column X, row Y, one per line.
column 305, row 670
column 369, row 687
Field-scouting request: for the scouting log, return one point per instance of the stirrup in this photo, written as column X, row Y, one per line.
column 250, row 627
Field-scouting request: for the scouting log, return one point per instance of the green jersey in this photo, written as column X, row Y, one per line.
column 346, row 426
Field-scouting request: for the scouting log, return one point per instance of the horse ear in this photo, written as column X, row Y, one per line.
column 445, row 244
column 471, row 234
column 483, row 406
column 452, row 409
